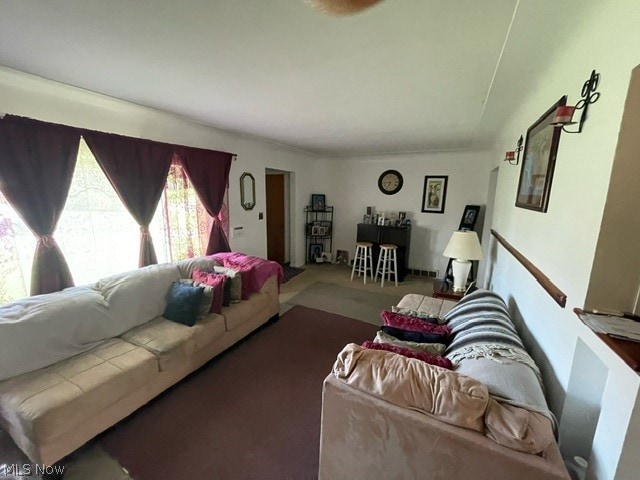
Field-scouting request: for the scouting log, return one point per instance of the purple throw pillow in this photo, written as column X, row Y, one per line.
column 412, row 324
column 215, row 281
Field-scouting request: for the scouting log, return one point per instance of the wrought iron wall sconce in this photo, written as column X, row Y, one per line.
column 564, row 114
column 513, row 156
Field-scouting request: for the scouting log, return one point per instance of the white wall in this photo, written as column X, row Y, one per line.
column 34, row 97
column 562, row 241
column 354, row 185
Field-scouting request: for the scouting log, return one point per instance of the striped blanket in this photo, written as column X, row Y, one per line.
column 481, row 327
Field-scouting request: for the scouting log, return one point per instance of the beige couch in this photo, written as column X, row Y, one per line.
column 387, row 416
column 54, row 410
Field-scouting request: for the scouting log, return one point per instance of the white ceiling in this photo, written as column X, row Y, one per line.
column 405, row 75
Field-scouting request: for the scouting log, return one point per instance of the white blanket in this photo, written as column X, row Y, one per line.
column 39, row 331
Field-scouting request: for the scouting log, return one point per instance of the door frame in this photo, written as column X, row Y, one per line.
column 287, row 210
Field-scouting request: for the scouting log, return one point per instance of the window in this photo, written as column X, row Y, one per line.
column 96, row 233
column 17, row 246
column 181, row 225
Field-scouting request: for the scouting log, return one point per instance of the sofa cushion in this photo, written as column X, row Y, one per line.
column 124, row 294
column 208, row 329
column 235, row 279
column 426, row 305
column 518, row 428
column 238, row 313
column 169, row 341
column 432, row 348
column 187, row 265
column 183, row 303
column 427, row 317
column 57, row 326
column 44, row 404
column 410, row 383
column 413, row 324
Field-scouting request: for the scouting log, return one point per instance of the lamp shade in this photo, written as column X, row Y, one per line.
column 464, row 245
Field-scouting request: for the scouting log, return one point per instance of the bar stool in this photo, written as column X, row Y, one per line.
column 387, row 256
column 363, row 260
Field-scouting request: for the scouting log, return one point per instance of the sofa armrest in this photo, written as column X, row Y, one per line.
column 365, row 437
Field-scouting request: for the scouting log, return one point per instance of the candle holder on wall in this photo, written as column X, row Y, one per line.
column 564, row 113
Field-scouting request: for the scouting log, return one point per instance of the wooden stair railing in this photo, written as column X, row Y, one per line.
column 558, row 295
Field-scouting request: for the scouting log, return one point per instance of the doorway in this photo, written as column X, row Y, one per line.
column 484, row 275
column 277, row 195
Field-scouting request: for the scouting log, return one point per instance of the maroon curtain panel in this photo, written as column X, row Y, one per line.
column 208, row 171
column 137, row 169
column 37, row 161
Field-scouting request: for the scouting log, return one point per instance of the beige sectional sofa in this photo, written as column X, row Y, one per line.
column 388, row 416
column 52, row 411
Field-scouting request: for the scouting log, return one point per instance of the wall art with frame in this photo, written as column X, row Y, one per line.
column 469, row 217
column 539, row 161
column 434, row 194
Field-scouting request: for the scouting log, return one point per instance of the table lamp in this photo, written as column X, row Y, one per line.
column 463, row 247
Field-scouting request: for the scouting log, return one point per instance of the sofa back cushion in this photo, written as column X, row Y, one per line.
column 42, row 330
column 235, row 279
column 410, row 383
column 137, row 296
column 188, row 265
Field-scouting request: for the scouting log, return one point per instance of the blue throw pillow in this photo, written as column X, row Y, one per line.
column 183, row 303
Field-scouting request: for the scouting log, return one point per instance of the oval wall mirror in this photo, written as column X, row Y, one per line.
column 247, row 191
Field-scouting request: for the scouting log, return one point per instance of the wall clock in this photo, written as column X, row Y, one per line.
column 390, row 182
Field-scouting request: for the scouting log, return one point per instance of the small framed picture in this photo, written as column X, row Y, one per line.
column 434, row 194
column 402, row 216
column 315, row 252
column 381, row 221
column 469, row 217
column 318, row 202
column 342, row 257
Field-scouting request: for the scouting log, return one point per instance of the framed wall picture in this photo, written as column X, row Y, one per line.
column 434, row 194
column 539, row 161
column 315, row 251
column 318, row 202
column 469, row 217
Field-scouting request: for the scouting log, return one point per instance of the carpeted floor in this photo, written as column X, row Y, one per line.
column 253, row 412
column 350, row 302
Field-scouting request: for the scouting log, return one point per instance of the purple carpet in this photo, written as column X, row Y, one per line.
column 253, row 412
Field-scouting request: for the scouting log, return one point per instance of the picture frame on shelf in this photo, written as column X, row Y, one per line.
column 315, row 252
column 316, row 230
column 318, row 202
column 469, row 217
column 539, row 161
column 434, row 194
column 342, row 257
